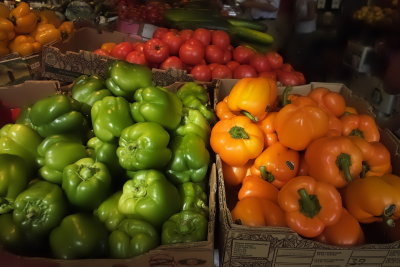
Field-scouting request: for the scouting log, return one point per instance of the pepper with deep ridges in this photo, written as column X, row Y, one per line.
column 194, row 197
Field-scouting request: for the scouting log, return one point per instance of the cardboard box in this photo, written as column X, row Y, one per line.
column 184, row 254
column 16, row 69
column 279, row 246
column 136, row 29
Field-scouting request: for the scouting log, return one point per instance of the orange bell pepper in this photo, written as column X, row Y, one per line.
column 25, row 45
column 374, row 199
column 49, row 16
column 46, row 34
column 254, row 97
column 277, row 164
column 300, row 122
column 4, row 10
column 234, row 175
column 346, row 232
column 362, row 125
column 268, row 127
column 4, row 50
column 237, row 140
column 24, row 20
column 335, row 127
column 6, row 30
column 310, row 205
column 108, row 46
column 258, row 212
column 222, row 110
column 334, row 159
column 66, row 29
column 303, row 166
column 256, row 186
column 350, row 110
column 329, row 101
column 376, row 157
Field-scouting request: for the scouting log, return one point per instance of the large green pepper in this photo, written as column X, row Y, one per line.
column 124, row 78
column 79, row 235
column 196, row 96
column 144, row 145
column 133, row 237
column 57, row 114
column 39, row 208
column 109, row 117
column 194, row 197
column 89, row 89
column 56, row 152
column 193, row 122
column 185, row 226
column 157, row 104
column 108, row 213
column 20, row 140
column 86, row 183
column 11, row 237
column 149, row 196
column 14, row 177
column 190, row 159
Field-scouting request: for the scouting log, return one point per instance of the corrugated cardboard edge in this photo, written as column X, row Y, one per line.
column 235, row 241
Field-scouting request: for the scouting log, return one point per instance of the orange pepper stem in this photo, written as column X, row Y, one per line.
column 238, row 132
column 343, row 162
column 309, row 204
column 266, row 175
column 248, row 115
column 387, row 213
column 285, row 96
column 365, row 169
column 357, row 132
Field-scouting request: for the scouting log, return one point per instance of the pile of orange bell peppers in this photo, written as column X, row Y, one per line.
column 25, row 31
column 308, row 162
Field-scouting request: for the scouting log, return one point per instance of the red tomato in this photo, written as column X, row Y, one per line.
column 288, row 78
column 136, row 57
column 268, row 74
column 121, row 50
column 203, row 35
column 101, row 52
column 201, row 73
column 244, row 71
column 287, row 67
column 220, row 38
column 186, row 34
column 172, row 62
column 212, row 66
column 139, row 46
column 192, row 52
column 159, row 32
column 275, row 59
column 173, row 41
column 155, row 50
column 221, row 72
column 214, row 54
column 242, row 54
column 232, row 65
column 260, row 63
column 227, row 56
column 300, row 77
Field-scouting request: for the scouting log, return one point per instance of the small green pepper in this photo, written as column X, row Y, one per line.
column 193, row 122
column 194, row 197
column 108, row 213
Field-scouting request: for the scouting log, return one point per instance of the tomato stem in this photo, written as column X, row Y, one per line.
column 309, row 204
column 238, row 132
column 343, row 162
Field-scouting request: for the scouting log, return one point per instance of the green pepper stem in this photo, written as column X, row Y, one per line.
column 238, row 132
column 365, row 169
column 309, row 204
column 388, row 213
column 357, row 132
column 343, row 162
column 248, row 115
column 285, row 96
column 266, row 175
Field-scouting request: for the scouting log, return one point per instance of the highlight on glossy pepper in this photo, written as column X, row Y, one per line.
column 46, row 33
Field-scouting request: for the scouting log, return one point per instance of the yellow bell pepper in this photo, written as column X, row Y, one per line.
column 6, row 29
column 66, row 28
column 4, row 50
column 25, row 45
column 49, row 16
column 46, row 34
column 24, row 20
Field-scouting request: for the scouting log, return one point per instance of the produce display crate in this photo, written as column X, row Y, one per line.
column 183, row 254
column 279, row 246
column 15, row 69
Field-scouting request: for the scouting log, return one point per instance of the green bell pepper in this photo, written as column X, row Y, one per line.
column 124, row 78
column 14, row 177
column 57, row 114
column 193, row 122
column 157, row 104
column 107, row 153
column 185, row 226
column 79, row 235
column 86, row 183
column 190, row 159
column 56, row 152
column 149, row 196
column 11, row 237
column 39, row 208
column 144, row 145
column 109, row 117
column 89, row 89
column 20, row 140
column 108, row 213
column 194, row 197
column 196, row 96
column 132, row 238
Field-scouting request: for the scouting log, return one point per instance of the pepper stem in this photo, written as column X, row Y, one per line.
column 309, row 204
column 357, row 132
column 266, row 175
column 388, row 213
column 248, row 115
column 365, row 169
column 343, row 162
column 238, row 132
column 285, row 96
